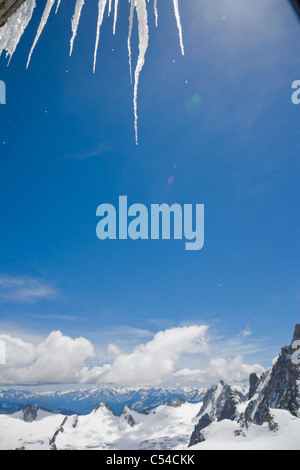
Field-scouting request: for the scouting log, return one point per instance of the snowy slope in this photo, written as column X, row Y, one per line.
column 228, row 435
column 165, row 427
column 16, row 433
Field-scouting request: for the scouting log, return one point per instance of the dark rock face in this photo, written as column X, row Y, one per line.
column 220, row 402
column 60, row 429
column 126, row 413
column 130, row 420
column 279, row 387
column 253, row 382
column 297, row 332
column 176, row 403
column 29, row 413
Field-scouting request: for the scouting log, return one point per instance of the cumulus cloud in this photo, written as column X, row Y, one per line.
column 58, row 359
column 150, row 363
column 61, row 359
column 229, row 370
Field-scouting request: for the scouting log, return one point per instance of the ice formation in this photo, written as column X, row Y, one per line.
column 43, row 22
column 75, row 22
column 101, row 9
column 12, row 32
column 57, row 6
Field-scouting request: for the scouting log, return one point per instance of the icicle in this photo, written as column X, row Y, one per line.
column 57, row 6
column 101, row 9
column 115, row 16
column 177, row 16
column 109, row 7
column 11, row 33
column 43, row 22
column 155, row 12
column 132, row 5
column 142, row 16
column 75, row 22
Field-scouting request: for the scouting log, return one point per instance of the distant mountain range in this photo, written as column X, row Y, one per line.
column 85, row 400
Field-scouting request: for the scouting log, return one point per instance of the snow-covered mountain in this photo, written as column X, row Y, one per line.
column 272, row 404
column 219, row 403
column 266, row 417
column 165, row 427
column 278, row 387
column 86, row 400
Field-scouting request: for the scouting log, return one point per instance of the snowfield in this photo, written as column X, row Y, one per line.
column 227, row 435
column 163, row 428
column 16, row 433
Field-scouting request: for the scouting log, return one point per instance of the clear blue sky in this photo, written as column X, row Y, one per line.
column 219, row 120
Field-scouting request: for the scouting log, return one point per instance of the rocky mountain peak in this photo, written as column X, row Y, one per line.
column 104, row 406
column 220, row 402
column 297, row 332
column 30, row 413
column 176, row 403
column 279, row 387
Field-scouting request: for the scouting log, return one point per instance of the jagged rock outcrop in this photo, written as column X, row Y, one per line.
column 296, row 335
column 127, row 415
column 176, row 403
column 253, row 384
column 220, row 402
column 104, row 405
column 278, row 388
column 60, row 429
column 30, row 413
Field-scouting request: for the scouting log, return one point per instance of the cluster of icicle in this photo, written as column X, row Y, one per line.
column 12, row 32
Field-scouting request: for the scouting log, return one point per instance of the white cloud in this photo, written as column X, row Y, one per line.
column 113, row 350
column 61, row 359
column 24, row 289
column 58, row 359
column 151, row 363
column 246, row 332
column 229, row 370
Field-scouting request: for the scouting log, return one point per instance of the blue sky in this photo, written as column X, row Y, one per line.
column 219, row 121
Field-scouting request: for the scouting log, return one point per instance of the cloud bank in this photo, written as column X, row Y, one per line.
column 61, row 359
